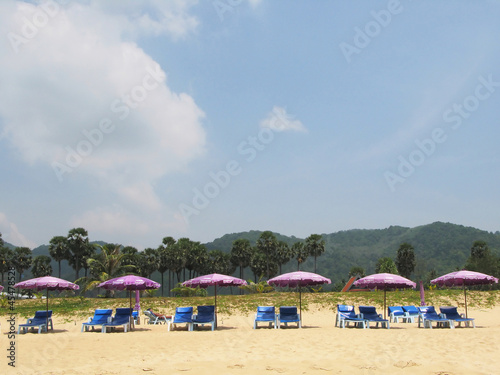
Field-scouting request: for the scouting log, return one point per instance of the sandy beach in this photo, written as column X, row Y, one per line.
column 235, row 348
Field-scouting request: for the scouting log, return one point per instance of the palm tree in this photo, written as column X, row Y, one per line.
column 21, row 260
column 267, row 244
column 283, row 254
column 299, row 253
column 41, row 266
column 241, row 253
column 58, row 250
column 104, row 266
column 315, row 246
column 78, row 246
column 6, row 255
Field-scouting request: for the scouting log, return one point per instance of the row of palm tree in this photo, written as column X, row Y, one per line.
column 181, row 259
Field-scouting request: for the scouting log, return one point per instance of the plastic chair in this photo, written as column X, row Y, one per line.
column 346, row 315
column 40, row 320
column 101, row 316
column 265, row 314
column 183, row 315
column 288, row 314
column 428, row 315
column 206, row 315
column 369, row 313
column 452, row 314
column 121, row 318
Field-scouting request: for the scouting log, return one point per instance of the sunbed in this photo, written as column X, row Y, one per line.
column 183, row 315
column 452, row 313
column 121, row 318
column 346, row 315
column 265, row 314
column 40, row 320
column 154, row 318
column 288, row 314
column 428, row 315
column 205, row 315
column 369, row 313
column 101, row 316
column 412, row 313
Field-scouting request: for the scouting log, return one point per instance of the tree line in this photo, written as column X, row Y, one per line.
column 175, row 260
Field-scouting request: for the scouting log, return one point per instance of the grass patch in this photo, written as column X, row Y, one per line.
column 75, row 307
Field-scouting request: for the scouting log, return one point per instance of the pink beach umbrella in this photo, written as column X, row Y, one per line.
column 385, row 281
column 463, row 278
column 47, row 283
column 216, row 280
column 300, row 279
column 129, row 283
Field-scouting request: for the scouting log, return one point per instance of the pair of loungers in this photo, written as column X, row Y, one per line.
column 105, row 319
column 367, row 314
column 406, row 313
column 447, row 317
column 286, row 315
column 185, row 315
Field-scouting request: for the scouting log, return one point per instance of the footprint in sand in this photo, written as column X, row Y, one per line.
column 236, row 366
column 403, row 364
column 279, row 370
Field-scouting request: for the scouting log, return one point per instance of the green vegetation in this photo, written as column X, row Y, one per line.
column 78, row 308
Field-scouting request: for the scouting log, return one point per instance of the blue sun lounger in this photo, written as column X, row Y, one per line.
column 411, row 313
column 183, row 315
column 288, row 314
column 369, row 313
column 428, row 315
column 206, row 315
column 346, row 315
column 452, row 314
column 121, row 318
column 101, row 316
column 265, row 314
column 39, row 320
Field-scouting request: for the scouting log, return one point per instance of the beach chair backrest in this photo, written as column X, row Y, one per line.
column 412, row 310
column 206, row 310
column 449, row 311
column 123, row 311
column 42, row 314
column 346, row 311
column 183, row 315
column 288, row 310
column 395, row 310
column 368, row 310
column 266, row 312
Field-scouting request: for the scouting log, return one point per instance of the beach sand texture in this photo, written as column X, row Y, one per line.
column 235, row 348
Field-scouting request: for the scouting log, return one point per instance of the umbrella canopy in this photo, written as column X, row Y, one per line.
column 463, row 278
column 385, row 281
column 300, row 279
column 47, row 283
column 129, row 282
column 215, row 279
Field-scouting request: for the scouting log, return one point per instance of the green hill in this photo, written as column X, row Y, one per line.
column 442, row 247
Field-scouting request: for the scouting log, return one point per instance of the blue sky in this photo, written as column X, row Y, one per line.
column 140, row 120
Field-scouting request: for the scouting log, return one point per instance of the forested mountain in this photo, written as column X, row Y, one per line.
column 439, row 247
column 442, row 247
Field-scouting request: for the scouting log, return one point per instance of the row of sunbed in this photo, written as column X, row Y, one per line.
column 426, row 315
column 345, row 316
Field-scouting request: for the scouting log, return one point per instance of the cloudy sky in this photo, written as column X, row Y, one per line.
column 138, row 120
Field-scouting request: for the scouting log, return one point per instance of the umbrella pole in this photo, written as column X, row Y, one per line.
column 47, row 312
column 300, row 304
column 385, row 290
column 465, row 295
column 215, row 307
column 131, row 321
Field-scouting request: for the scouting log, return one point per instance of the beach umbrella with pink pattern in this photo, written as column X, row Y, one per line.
column 463, row 278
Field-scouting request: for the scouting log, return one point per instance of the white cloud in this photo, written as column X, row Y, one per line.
column 254, row 3
column 81, row 96
column 11, row 234
column 279, row 120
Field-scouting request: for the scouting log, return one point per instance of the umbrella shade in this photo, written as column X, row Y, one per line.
column 385, row 281
column 215, row 279
column 47, row 283
column 463, row 278
column 129, row 282
column 300, row 279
